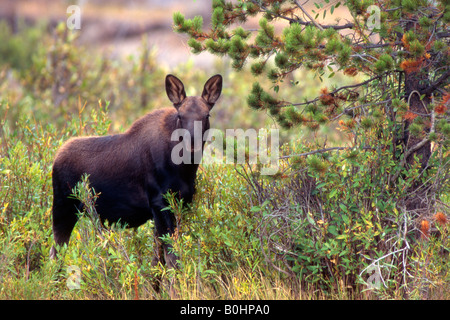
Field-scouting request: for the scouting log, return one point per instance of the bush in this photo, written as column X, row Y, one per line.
column 336, row 220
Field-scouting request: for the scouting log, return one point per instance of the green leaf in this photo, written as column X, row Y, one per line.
column 210, row 272
column 320, row 185
column 332, row 193
column 310, row 219
column 333, row 230
column 345, row 219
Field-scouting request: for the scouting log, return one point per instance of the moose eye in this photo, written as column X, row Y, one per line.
column 208, row 115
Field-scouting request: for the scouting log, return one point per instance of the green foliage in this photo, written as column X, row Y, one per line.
column 317, row 48
column 17, row 49
column 342, row 218
column 416, row 48
column 62, row 78
column 218, row 233
column 317, row 165
column 217, row 17
column 415, row 129
column 409, row 5
column 238, row 51
column 195, row 45
column 266, row 34
column 257, row 68
column 384, row 63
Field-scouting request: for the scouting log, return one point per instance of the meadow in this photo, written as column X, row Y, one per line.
column 315, row 230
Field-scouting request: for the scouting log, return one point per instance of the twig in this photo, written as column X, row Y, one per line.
column 308, row 15
column 381, row 258
column 437, row 83
column 339, row 89
column 346, row 110
column 265, row 9
column 321, row 151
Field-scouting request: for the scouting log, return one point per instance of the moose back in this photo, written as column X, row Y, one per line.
column 132, row 171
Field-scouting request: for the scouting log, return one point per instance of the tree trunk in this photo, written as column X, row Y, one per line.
column 418, row 202
column 419, row 107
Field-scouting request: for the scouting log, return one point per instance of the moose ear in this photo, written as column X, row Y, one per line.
column 175, row 89
column 212, row 89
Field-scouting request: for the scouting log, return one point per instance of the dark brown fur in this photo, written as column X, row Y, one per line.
column 133, row 170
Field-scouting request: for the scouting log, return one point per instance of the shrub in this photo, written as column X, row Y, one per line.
column 348, row 225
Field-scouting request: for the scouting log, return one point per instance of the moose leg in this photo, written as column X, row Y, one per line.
column 158, row 258
column 64, row 220
column 164, row 224
column 159, row 250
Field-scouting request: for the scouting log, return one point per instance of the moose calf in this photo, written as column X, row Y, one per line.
column 132, row 171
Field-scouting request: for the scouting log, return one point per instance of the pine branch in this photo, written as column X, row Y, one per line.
column 437, row 83
column 322, row 151
column 347, row 110
column 304, row 23
column 337, row 90
column 323, row 26
column 265, row 9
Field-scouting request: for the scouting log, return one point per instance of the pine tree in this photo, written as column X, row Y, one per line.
column 399, row 46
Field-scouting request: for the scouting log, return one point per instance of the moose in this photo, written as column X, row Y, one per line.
column 133, row 170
